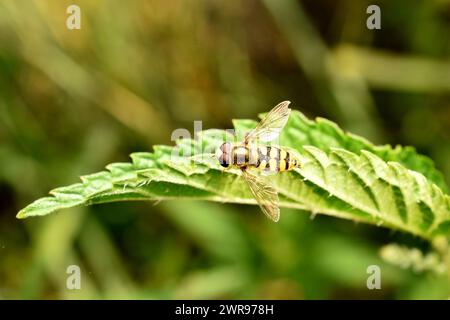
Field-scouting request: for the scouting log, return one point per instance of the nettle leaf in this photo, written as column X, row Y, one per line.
column 342, row 175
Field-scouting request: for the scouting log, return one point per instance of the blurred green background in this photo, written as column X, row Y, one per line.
column 72, row 101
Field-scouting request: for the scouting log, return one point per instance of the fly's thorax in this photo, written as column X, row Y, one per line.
column 240, row 155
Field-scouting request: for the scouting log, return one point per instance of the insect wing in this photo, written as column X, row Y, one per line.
column 265, row 195
column 270, row 127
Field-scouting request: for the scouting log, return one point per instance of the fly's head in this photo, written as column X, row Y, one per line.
column 223, row 154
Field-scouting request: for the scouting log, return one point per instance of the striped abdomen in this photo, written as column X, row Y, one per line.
column 265, row 158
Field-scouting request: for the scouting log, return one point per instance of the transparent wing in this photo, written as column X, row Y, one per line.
column 270, row 127
column 265, row 195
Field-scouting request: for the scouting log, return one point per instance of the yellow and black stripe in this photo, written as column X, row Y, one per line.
column 265, row 158
column 274, row 159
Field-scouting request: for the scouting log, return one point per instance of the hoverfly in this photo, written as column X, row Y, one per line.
column 249, row 156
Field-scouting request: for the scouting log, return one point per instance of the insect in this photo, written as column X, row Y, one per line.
column 256, row 161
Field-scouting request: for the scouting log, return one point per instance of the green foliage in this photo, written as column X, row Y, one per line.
column 413, row 258
column 342, row 175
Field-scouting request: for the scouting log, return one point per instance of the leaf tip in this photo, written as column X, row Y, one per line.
column 21, row 215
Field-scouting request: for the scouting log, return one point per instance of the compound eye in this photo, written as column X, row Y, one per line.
column 223, row 162
column 225, row 148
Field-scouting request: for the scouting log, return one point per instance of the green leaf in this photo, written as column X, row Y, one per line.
column 413, row 258
column 342, row 175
